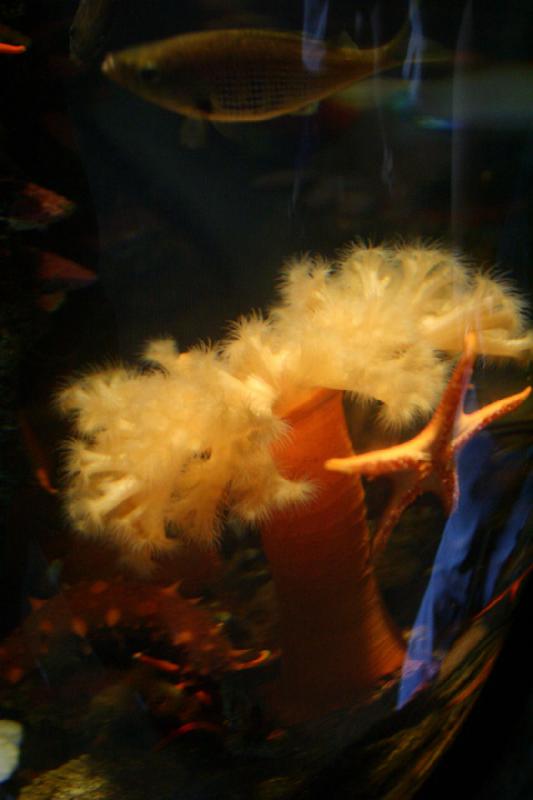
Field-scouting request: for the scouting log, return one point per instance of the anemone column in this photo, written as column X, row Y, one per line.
column 337, row 639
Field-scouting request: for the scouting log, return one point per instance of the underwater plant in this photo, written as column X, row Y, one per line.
column 254, row 427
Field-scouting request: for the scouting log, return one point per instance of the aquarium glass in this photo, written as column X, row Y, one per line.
column 265, row 428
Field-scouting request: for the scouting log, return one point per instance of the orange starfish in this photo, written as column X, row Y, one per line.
column 426, row 463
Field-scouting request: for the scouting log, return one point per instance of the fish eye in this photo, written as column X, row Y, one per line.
column 149, row 73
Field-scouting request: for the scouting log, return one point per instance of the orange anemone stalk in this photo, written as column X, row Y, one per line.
column 338, row 641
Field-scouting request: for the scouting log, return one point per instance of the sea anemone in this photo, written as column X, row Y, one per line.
column 245, row 427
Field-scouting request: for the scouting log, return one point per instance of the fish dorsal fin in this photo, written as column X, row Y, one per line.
column 344, row 40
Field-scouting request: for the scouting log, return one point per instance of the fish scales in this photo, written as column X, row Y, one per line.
column 244, row 74
column 270, row 76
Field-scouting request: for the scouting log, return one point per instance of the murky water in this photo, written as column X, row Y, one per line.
column 286, row 560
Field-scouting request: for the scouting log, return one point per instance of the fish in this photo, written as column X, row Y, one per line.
column 27, row 206
column 59, row 272
column 12, row 49
column 90, row 29
column 58, row 275
column 249, row 75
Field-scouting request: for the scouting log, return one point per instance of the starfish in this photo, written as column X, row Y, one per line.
column 426, row 463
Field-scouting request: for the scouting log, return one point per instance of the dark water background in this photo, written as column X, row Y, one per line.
column 183, row 240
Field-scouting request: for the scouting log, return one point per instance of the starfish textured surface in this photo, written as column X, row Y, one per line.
column 426, row 463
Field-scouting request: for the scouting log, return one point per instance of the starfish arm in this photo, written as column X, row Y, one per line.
column 407, row 487
column 445, row 484
column 425, row 463
column 470, row 424
column 438, row 432
column 380, row 462
column 426, row 445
